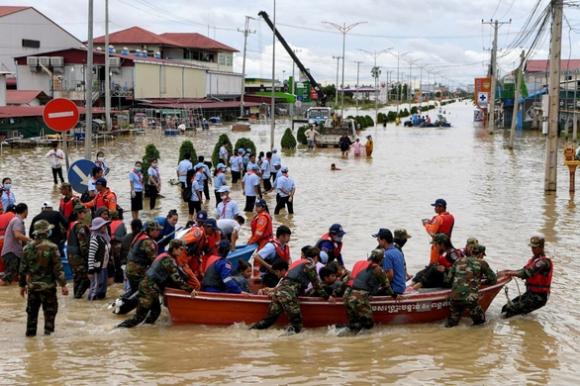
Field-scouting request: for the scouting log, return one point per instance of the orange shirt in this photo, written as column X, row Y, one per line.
column 261, row 229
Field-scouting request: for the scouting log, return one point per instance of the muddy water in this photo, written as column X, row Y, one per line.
column 496, row 196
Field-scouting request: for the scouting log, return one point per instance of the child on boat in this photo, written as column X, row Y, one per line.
column 243, row 274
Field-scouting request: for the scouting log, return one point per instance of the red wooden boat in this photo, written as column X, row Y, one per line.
column 224, row 309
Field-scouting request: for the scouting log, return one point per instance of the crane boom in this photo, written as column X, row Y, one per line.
column 313, row 82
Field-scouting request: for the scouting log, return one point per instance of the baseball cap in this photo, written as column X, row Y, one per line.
column 42, row 226
column 211, row 223
column 261, row 202
column 101, row 181
column 478, row 248
column 79, row 208
column 220, row 166
column 223, row 189
column 153, row 225
column 201, row 216
column 47, row 204
column 402, row 234
column 241, row 151
column 255, row 167
column 284, row 169
column 439, row 202
column 336, row 229
column 198, row 165
column 384, row 234
column 537, row 241
column 378, row 253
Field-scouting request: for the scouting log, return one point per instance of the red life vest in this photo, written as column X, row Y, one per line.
column 213, row 242
column 447, row 260
column 358, row 267
column 67, row 207
column 447, row 224
column 115, row 224
column 540, row 282
column 4, row 221
column 210, row 261
column 335, row 253
column 282, row 251
column 140, row 236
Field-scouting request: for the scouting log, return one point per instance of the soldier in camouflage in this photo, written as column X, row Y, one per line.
column 285, row 297
column 162, row 273
column 143, row 252
column 367, row 279
column 40, row 271
column 78, row 250
column 465, row 277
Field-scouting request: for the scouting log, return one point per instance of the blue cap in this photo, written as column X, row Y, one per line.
column 284, row 169
column 220, row 166
column 384, row 234
column 241, row 151
column 440, row 202
column 101, row 181
column 201, row 216
column 223, row 189
column 336, row 229
column 261, row 202
column 255, row 167
column 211, row 222
column 198, row 165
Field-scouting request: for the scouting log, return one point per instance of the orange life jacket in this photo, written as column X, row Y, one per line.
column 210, row 261
column 115, row 224
column 265, row 227
column 67, row 207
column 282, row 251
column 358, row 267
column 540, row 282
column 447, row 224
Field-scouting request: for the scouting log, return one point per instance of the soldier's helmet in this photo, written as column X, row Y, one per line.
column 152, row 226
column 472, row 241
column 401, row 234
column 377, row 254
column 79, row 208
column 537, row 241
column 440, row 238
column 176, row 243
column 42, row 227
column 479, row 249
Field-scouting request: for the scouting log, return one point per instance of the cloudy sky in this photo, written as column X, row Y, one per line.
column 447, row 36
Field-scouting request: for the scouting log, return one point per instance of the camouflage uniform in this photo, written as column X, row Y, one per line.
column 135, row 271
column 465, row 277
column 357, row 301
column 40, row 270
column 285, row 298
column 79, row 261
column 151, row 288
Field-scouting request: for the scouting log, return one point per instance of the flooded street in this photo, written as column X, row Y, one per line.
column 496, row 195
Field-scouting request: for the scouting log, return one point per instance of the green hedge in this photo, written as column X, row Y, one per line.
column 222, row 140
column 151, row 153
column 245, row 143
column 300, row 136
column 187, row 147
column 288, row 142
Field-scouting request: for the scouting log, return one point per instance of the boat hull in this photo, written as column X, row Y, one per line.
column 226, row 309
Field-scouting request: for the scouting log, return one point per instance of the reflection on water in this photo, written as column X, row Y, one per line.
column 495, row 194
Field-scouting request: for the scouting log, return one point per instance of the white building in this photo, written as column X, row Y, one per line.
column 25, row 31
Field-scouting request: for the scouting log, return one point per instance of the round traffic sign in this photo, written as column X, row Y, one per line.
column 61, row 114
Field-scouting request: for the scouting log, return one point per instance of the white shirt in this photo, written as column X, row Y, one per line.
column 228, row 226
column 182, row 168
column 55, row 157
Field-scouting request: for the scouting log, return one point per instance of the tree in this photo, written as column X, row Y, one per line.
column 300, row 136
column 151, row 153
column 245, row 143
column 288, row 141
column 329, row 90
column 222, row 140
column 187, row 148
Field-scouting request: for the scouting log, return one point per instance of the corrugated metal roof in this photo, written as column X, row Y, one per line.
column 6, row 10
column 33, row 111
column 195, row 40
column 22, row 97
column 536, row 65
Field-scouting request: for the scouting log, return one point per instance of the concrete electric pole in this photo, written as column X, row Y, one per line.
column 553, row 96
column 89, row 87
column 246, row 31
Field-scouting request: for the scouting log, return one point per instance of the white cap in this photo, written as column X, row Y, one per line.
column 47, row 204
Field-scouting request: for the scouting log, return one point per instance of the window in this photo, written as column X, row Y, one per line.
column 27, row 43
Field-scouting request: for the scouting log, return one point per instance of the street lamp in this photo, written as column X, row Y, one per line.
column 398, row 55
column 343, row 29
column 376, row 73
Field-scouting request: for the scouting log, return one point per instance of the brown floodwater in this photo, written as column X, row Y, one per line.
column 495, row 194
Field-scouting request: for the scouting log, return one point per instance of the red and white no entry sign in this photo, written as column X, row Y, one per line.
column 61, row 114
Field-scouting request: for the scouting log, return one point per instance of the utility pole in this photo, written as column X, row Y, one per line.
column 246, row 31
column 89, row 87
column 336, row 84
column 493, row 71
column 343, row 29
column 358, row 62
column 518, row 82
column 273, row 112
column 293, row 82
column 376, row 73
column 554, row 97
column 108, row 122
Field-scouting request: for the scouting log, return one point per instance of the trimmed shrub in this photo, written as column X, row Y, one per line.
column 187, row 148
column 222, row 140
column 288, row 141
column 300, row 136
column 369, row 121
column 414, row 110
column 391, row 116
column 245, row 143
column 151, row 153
